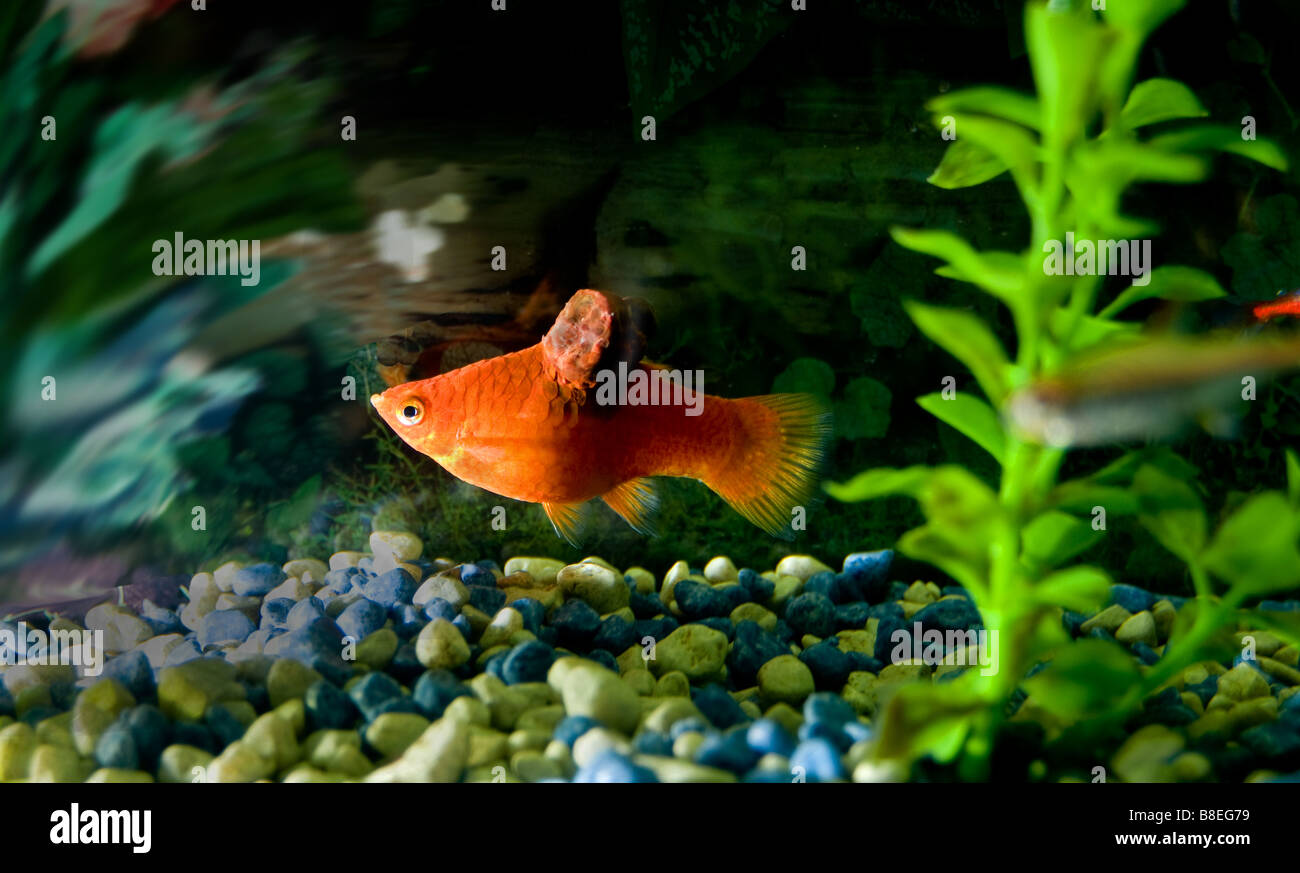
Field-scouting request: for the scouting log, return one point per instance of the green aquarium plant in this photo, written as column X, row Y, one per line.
column 1072, row 151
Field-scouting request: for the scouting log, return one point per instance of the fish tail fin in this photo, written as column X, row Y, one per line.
column 776, row 467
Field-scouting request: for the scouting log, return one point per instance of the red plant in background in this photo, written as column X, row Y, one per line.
column 101, row 27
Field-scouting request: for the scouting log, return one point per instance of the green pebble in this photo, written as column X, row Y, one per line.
column 17, row 743
column 544, row 718
column 694, row 649
column 785, row 679
column 178, row 762
column 377, row 649
column 289, row 680
column 272, row 737
column 119, row 776
column 591, row 690
column 240, row 763
column 674, row 684
column 440, row 646
column 392, row 732
column 337, row 751
column 95, row 709
column 185, row 692
column 57, row 764
column 531, row 765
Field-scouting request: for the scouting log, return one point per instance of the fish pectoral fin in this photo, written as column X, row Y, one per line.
column 635, row 500
column 567, row 519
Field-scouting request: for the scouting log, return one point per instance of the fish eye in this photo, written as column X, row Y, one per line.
column 411, row 412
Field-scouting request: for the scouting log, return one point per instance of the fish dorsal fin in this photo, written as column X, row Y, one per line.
column 635, row 500
column 567, row 518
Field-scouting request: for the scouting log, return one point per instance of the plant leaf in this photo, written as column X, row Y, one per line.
column 989, row 100
column 1172, row 511
column 1157, row 100
column 968, row 339
column 971, row 417
column 880, row 482
column 1224, row 139
column 1085, row 677
column 999, row 273
column 965, row 164
column 1083, row 589
column 1055, row 537
column 1184, row 284
column 1255, row 547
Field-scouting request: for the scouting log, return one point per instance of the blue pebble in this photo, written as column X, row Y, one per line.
column 753, row 647
column 328, row 708
column 830, row 667
column 852, row 616
column 783, row 631
column 1072, row 621
column 646, row 605
column 603, row 658
column 372, row 692
column 186, row 650
column 362, row 618
column 576, row 623
column 196, row 735
column 394, row 587
column 826, row 584
column 151, row 731
column 527, row 662
column 161, row 621
column 897, row 590
column 571, row 727
column 223, row 724
column 116, row 748
column 276, row 610
column 533, row 613
column 861, row 662
column 408, row 621
column 955, row 591
column 727, row 751
column 63, row 695
column 472, row 574
column 38, row 714
column 767, row 736
column 759, row 588
column 1269, row 605
column 462, row 624
column 318, row 644
column 395, row 704
column 616, row 635
column 719, row 707
column 304, row 612
column 724, row 625
column 440, row 608
column 687, row 725
column 405, row 665
column 699, row 600
column 495, row 665
column 650, row 742
column 485, row 599
column 856, row 731
column 658, row 628
column 225, row 626
column 811, row 613
column 832, row 733
column 1131, row 597
column 435, row 689
column 945, row 615
column 133, row 671
column 257, row 580
column 6, row 701
column 343, row 579
column 1145, row 653
column 609, row 766
column 823, row 706
column 868, row 573
column 818, row 759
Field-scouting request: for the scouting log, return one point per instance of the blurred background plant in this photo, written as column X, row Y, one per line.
column 1073, row 150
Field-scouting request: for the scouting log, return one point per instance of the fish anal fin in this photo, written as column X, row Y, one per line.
column 635, row 500
column 567, row 519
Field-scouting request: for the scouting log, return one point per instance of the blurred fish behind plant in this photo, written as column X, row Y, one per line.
column 1149, row 388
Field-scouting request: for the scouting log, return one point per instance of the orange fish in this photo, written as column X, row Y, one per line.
column 537, row 426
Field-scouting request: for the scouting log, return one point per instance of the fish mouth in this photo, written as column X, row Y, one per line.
column 374, row 400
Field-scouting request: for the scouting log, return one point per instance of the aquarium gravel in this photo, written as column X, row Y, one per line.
column 387, row 667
